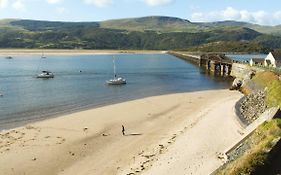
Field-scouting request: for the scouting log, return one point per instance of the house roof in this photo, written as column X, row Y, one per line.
column 277, row 55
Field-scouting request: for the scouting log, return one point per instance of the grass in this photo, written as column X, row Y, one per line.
column 260, row 142
column 265, row 136
column 270, row 81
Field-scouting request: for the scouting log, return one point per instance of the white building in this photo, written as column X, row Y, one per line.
column 272, row 58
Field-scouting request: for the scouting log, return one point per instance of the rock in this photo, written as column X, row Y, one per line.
column 253, row 106
column 237, row 83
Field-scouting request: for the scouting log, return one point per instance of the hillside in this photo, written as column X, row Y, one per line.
column 155, row 32
column 168, row 24
column 151, row 23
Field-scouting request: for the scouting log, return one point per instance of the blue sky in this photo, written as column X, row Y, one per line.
column 266, row 12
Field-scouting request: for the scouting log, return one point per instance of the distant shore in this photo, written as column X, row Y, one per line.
column 168, row 134
column 46, row 52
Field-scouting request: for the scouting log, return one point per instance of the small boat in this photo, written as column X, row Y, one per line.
column 116, row 80
column 46, row 74
column 9, row 57
column 43, row 56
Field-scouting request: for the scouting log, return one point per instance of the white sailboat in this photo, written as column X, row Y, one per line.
column 43, row 56
column 45, row 73
column 116, row 80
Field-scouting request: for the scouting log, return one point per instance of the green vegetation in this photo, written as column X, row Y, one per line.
column 148, row 33
column 254, row 153
column 271, row 82
column 260, row 142
column 152, row 23
column 230, row 46
column 172, row 24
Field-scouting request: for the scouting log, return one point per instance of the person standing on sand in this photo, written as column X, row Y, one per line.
column 123, row 130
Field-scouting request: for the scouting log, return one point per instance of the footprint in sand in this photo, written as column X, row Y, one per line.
column 9, row 138
column 58, row 140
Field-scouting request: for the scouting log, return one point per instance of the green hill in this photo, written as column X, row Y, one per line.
column 151, row 23
column 172, row 24
column 154, row 32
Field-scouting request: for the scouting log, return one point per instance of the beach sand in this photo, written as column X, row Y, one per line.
column 48, row 52
column 169, row 134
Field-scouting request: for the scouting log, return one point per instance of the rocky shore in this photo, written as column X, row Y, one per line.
column 252, row 106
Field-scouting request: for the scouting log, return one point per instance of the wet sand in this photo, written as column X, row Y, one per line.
column 169, row 134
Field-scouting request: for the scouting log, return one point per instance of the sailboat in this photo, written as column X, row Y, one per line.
column 116, row 80
column 45, row 73
column 43, row 56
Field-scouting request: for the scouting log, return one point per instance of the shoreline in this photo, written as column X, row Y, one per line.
column 67, row 52
column 16, row 123
column 90, row 141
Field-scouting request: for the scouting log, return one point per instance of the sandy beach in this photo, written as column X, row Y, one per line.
column 169, row 134
column 46, row 52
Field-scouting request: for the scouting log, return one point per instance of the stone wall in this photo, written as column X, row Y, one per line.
column 252, row 106
column 240, row 70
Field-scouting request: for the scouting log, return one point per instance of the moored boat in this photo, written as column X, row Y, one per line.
column 116, row 80
column 46, row 74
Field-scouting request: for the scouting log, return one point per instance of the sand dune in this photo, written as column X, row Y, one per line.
column 178, row 133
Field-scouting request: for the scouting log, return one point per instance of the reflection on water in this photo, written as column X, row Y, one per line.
column 79, row 83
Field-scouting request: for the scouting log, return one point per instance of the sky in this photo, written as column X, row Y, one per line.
column 264, row 12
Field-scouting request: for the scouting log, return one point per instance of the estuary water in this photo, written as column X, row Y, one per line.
column 246, row 57
column 79, row 83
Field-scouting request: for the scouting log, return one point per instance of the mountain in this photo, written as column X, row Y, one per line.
column 150, row 23
column 34, row 25
column 172, row 24
column 153, row 32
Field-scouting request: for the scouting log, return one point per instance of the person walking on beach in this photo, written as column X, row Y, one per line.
column 123, row 130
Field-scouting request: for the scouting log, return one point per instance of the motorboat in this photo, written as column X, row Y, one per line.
column 9, row 57
column 116, row 80
column 46, row 74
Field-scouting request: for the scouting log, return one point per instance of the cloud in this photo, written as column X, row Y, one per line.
column 230, row 13
column 54, row 1
column 158, row 2
column 3, row 4
column 99, row 3
column 18, row 5
column 61, row 10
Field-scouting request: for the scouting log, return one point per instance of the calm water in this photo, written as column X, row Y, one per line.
column 246, row 57
column 27, row 98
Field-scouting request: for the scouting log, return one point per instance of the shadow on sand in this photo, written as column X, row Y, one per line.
column 133, row 134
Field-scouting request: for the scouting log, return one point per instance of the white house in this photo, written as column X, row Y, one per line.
column 272, row 58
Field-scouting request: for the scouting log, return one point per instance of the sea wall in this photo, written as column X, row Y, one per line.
column 240, row 70
column 261, row 103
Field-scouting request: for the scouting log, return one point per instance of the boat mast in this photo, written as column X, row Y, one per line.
column 114, row 67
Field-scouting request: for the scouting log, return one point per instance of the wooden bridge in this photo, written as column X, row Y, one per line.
column 216, row 63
